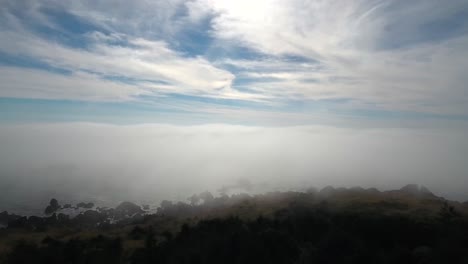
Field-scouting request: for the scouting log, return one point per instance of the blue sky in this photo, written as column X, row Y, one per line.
column 243, row 62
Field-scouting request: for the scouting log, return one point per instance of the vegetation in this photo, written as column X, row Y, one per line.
column 331, row 226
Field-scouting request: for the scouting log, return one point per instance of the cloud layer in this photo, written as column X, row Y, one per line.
column 147, row 163
column 396, row 56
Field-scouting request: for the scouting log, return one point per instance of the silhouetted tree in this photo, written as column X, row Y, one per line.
column 52, row 207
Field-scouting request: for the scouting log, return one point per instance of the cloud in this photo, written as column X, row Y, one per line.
column 147, row 63
column 30, row 83
column 426, row 78
column 394, row 56
column 107, row 163
column 140, row 18
column 121, row 60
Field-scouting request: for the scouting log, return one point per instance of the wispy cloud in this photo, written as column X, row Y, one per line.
column 143, row 63
column 392, row 54
column 33, row 83
column 395, row 56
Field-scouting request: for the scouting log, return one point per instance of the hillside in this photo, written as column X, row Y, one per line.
column 333, row 225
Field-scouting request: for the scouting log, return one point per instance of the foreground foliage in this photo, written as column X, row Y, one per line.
column 298, row 231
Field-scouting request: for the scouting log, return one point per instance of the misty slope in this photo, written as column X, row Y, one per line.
column 333, row 225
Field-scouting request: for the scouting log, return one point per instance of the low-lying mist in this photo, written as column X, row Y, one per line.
column 107, row 164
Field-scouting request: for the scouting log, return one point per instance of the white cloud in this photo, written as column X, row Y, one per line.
column 149, row 163
column 350, row 41
column 135, row 61
column 142, row 18
column 381, row 53
column 143, row 61
column 31, row 83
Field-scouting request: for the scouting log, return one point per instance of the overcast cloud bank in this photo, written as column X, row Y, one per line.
column 148, row 163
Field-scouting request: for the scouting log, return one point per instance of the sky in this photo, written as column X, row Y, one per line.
column 395, row 70
column 243, row 62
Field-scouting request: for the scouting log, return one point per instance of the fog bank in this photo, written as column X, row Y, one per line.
column 147, row 163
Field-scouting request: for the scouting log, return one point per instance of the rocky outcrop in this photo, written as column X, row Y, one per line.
column 85, row 205
column 128, row 209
